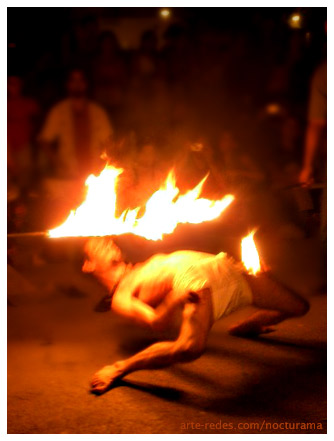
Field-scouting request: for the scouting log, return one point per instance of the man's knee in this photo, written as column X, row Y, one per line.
column 189, row 350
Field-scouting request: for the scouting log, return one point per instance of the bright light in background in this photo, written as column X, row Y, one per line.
column 273, row 109
column 295, row 21
column 164, row 13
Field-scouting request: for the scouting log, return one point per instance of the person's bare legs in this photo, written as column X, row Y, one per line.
column 196, row 322
column 258, row 323
column 276, row 303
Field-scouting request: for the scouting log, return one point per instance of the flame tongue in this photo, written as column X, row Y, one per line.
column 249, row 254
column 164, row 210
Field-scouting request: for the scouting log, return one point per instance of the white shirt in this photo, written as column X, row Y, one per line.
column 59, row 127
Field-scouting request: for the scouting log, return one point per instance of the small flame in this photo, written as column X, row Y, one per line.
column 250, row 255
column 164, row 210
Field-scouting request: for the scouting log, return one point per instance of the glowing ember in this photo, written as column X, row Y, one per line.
column 249, row 254
column 165, row 209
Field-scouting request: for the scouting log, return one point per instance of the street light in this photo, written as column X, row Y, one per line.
column 165, row 13
column 295, row 20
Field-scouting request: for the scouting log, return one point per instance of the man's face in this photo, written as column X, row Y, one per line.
column 76, row 84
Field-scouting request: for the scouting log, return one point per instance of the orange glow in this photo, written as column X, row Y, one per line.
column 249, row 254
column 164, row 210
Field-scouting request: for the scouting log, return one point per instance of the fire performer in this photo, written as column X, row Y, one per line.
column 205, row 287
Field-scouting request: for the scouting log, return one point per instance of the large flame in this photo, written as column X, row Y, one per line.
column 164, row 210
column 249, row 254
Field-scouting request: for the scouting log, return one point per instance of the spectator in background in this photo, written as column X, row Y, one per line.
column 289, row 155
column 109, row 73
column 22, row 114
column 145, row 63
column 149, row 171
column 76, row 132
column 79, row 43
column 144, row 170
column 315, row 141
column 121, row 154
column 194, row 163
column 147, row 98
column 314, row 162
column 176, row 55
column 238, row 168
column 80, row 127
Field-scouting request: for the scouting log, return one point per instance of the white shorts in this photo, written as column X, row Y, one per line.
column 229, row 289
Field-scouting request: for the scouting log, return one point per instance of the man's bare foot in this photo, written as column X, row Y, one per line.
column 105, row 377
column 249, row 329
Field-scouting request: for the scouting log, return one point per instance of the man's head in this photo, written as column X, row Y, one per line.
column 105, row 260
column 76, row 84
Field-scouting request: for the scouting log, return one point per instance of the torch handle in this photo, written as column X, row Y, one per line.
column 30, row 234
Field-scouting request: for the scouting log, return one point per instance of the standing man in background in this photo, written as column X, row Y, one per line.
column 72, row 140
column 316, row 140
column 79, row 126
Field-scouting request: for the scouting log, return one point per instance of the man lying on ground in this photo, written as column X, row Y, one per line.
column 206, row 287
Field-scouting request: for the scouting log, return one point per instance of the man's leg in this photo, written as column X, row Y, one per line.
column 276, row 303
column 190, row 344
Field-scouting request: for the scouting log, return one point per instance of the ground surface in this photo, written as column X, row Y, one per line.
column 56, row 341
